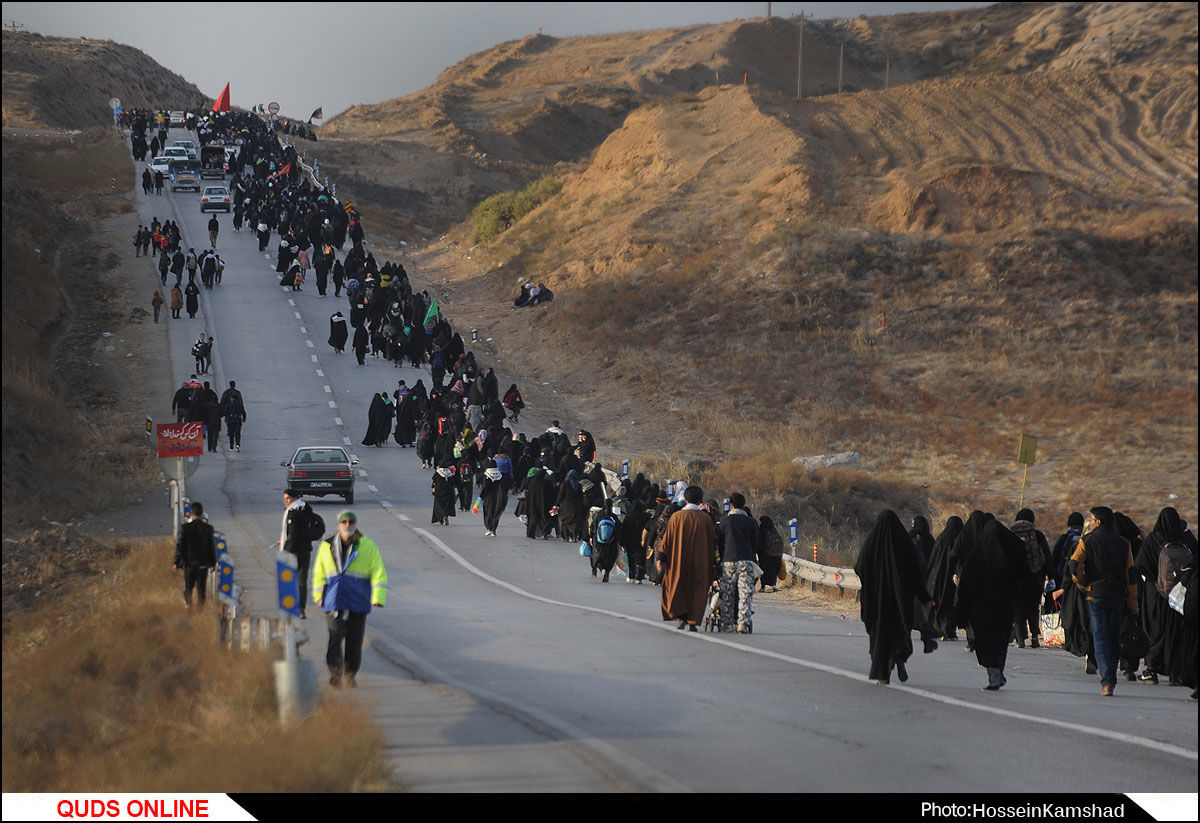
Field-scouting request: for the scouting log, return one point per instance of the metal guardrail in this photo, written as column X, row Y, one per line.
column 844, row 579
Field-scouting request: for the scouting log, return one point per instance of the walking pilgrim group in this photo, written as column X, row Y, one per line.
column 990, row 580
column 1125, row 598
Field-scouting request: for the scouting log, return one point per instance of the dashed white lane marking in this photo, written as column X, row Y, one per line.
column 298, row 315
column 292, row 302
column 303, row 330
column 372, row 488
column 332, row 404
column 309, row 343
column 362, row 473
column 385, row 504
column 314, row 357
column 320, row 373
column 328, row 390
column 402, row 516
column 337, row 421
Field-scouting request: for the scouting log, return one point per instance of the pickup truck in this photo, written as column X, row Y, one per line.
column 212, row 161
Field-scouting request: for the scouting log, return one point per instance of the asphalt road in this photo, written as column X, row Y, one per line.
column 500, row 664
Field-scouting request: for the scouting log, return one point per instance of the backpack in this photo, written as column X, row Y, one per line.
column 315, row 528
column 606, row 530
column 1172, row 560
column 1034, row 560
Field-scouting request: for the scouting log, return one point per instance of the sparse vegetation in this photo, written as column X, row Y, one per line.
column 496, row 214
column 111, row 686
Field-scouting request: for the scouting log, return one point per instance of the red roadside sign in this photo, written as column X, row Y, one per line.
column 180, row 439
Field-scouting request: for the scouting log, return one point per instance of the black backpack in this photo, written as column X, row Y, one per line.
column 1035, row 561
column 1173, row 560
column 314, row 530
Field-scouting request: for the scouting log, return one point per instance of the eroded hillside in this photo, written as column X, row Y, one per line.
column 66, row 82
column 921, row 274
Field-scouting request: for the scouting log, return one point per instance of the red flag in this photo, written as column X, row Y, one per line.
column 222, row 103
column 282, row 172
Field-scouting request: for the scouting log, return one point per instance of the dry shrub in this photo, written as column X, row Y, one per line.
column 134, row 693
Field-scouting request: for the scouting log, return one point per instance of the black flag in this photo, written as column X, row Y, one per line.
column 317, row 115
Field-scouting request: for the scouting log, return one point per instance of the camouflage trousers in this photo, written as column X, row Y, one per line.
column 737, row 595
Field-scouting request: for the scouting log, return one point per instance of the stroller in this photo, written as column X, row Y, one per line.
column 712, row 612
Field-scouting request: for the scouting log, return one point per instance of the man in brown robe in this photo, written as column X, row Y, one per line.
column 687, row 556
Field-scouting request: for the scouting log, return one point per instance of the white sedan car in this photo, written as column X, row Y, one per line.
column 215, row 198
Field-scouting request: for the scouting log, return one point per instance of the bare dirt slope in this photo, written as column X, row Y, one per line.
column 64, row 82
column 921, row 273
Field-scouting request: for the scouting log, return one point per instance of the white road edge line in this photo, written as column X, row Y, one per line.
column 1153, row 745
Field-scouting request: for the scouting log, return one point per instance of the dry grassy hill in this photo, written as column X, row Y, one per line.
column 66, row 82
column 1001, row 242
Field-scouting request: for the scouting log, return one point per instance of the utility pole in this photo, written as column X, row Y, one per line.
column 800, row 62
column 887, row 68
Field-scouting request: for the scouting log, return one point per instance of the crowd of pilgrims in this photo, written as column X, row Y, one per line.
column 996, row 581
column 992, row 580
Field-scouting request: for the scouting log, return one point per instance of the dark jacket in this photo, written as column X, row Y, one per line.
column 297, row 522
column 1102, row 566
column 195, row 545
column 737, row 537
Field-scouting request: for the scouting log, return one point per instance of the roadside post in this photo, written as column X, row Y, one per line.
column 295, row 679
column 624, row 469
column 1027, row 456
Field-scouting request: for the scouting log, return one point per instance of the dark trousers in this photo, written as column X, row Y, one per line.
column 1104, row 617
column 345, row 641
column 195, row 577
column 303, row 563
column 214, row 436
column 1027, row 618
column 637, row 562
column 235, row 441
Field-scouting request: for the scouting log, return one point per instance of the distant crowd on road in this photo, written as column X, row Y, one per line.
column 1125, row 599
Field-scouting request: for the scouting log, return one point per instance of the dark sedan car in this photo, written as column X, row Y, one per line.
column 321, row 470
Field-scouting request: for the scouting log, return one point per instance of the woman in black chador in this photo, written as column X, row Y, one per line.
column 891, row 577
column 379, row 420
column 939, row 580
column 987, row 596
column 1172, row 638
column 337, row 332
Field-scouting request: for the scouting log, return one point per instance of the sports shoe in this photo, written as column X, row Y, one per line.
column 1089, row 667
column 902, row 672
column 1149, row 677
column 335, row 680
column 1106, row 691
column 930, row 646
